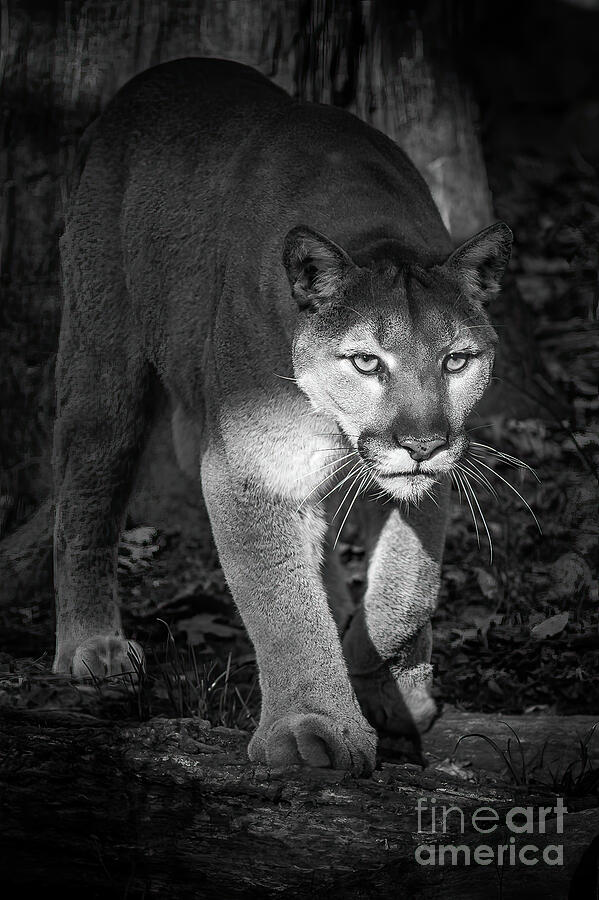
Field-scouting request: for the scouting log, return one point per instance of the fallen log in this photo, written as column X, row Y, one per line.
column 172, row 808
column 547, row 744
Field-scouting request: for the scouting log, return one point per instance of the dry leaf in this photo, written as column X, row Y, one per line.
column 549, row 627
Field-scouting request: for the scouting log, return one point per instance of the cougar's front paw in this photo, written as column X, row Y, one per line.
column 397, row 702
column 315, row 739
column 101, row 656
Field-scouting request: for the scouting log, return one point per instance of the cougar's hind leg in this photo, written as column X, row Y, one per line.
column 102, row 414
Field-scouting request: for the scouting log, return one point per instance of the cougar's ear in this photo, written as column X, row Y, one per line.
column 480, row 263
column 315, row 266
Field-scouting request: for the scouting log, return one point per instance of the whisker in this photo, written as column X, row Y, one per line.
column 356, row 311
column 327, row 465
column 348, row 491
column 507, row 457
column 379, row 494
column 501, row 453
column 469, row 319
column 479, row 454
column 457, row 484
column 476, row 427
column 484, row 521
column 355, row 497
column 461, row 478
column 371, row 480
column 324, row 449
column 284, row 377
column 479, row 477
column 324, row 480
column 431, row 497
column 512, row 461
column 512, row 488
column 343, row 480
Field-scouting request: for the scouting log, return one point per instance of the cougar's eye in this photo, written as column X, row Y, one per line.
column 455, row 362
column 366, row 363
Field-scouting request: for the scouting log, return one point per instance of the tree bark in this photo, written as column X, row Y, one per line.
column 172, row 808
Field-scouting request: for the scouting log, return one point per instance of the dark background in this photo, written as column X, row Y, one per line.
column 533, row 70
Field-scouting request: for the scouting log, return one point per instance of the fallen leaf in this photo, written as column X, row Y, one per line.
column 549, row 627
column 450, row 767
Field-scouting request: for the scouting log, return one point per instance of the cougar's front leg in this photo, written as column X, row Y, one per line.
column 389, row 641
column 270, row 554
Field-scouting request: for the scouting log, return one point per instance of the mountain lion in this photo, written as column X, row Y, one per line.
column 281, row 269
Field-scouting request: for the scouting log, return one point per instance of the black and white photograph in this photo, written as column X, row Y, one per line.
column 299, row 449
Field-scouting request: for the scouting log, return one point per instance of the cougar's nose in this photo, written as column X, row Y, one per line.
column 420, row 450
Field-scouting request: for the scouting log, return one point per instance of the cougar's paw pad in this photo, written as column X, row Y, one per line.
column 104, row 655
column 313, row 739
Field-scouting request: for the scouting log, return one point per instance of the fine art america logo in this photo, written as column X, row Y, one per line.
column 510, row 826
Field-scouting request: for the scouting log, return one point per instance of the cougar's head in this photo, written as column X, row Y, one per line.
column 395, row 352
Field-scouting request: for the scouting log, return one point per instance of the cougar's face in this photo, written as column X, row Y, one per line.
column 398, row 363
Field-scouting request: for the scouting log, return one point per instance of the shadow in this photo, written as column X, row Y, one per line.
column 585, row 881
column 400, row 714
